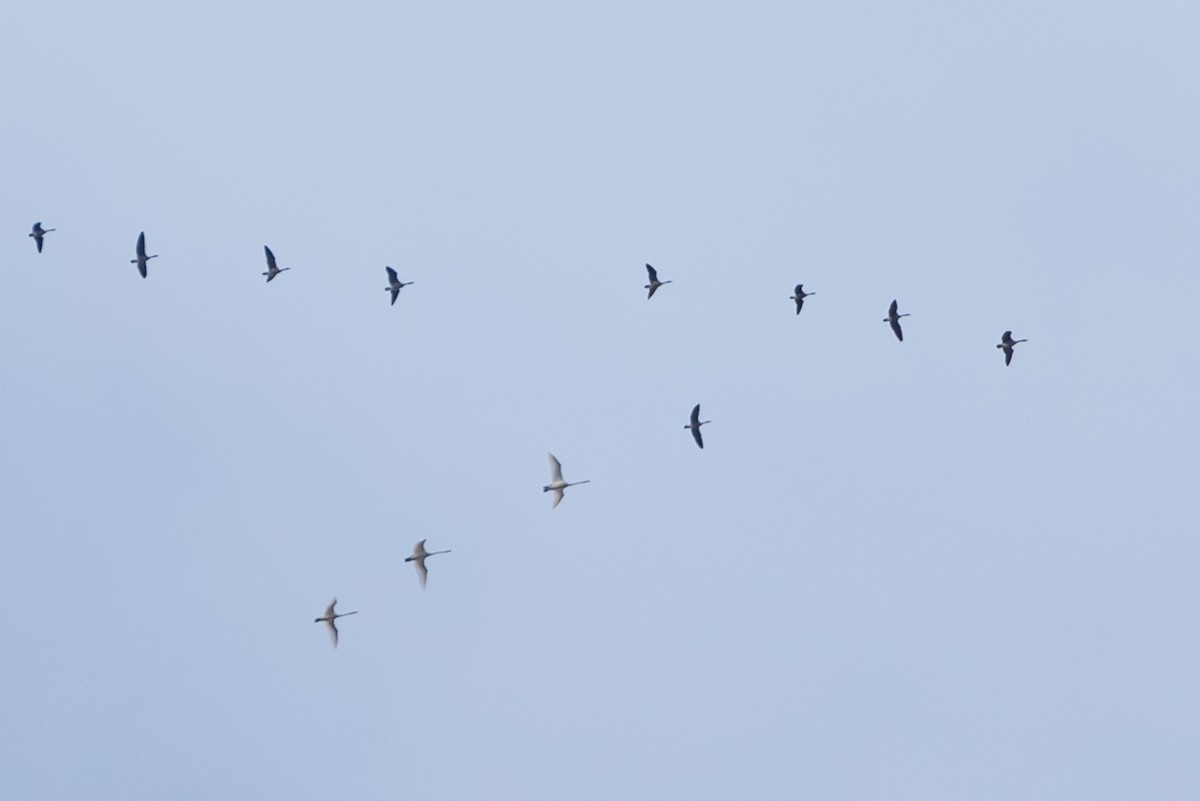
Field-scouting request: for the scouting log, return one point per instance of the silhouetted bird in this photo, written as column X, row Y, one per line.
column 273, row 271
column 142, row 258
column 695, row 426
column 394, row 284
column 799, row 297
column 37, row 234
column 654, row 282
column 1007, row 342
column 894, row 319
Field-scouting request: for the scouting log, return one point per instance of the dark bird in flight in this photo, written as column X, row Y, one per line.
column 38, row 233
column 142, row 258
column 800, row 296
column 1007, row 342
column 394, row 286
column 894, row 319
column 273, row 271
column 329, row 617
column 418, row 557
column 695, row 426
column 654, row 282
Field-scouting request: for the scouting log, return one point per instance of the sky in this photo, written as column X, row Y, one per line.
column 895, row 571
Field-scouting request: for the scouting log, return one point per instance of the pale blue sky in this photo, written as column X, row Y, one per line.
column 897, row 571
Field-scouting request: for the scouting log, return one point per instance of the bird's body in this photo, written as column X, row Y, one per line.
column 1008, row 343
column 142, row 258
column 37, row 233
column 418, row 557
column 557, row 485
column 394, row 284
column 331, row 616
column 799, row 295
column 695, row 426
column 894, row 319
column 272, row 270
column 654, row 282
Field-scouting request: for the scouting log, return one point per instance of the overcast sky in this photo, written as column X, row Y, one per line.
column 896, row 570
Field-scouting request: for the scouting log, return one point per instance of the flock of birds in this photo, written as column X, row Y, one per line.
column 557, row 484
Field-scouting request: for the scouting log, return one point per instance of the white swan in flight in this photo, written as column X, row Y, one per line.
column 557, row 485
column 331, row 616
column 418, row 557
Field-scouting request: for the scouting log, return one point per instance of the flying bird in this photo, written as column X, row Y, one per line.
column 894, row 319
column 272, row 270
column 695, row 426
column 37, row 234
column 331, row 616
column 418, row 558
column 654, row 282
column 1007, row 342
column 557, row 485
column 799, row 297
column 394, row 284
column 142, row 258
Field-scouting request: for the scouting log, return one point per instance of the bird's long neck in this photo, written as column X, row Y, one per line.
column 573, row 483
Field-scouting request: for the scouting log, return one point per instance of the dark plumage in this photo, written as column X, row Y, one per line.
column 1007, row 343
column 799, row 295
column 272, row 270
column 394, row 284
column 37, row 234
column 695, row 426
column 142, row 258
column 654, row 282
column 894, row 319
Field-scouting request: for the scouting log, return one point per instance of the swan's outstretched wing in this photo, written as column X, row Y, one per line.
column 653, row 273
column 896, row 327
column 892, row 309
column 419, row 551
column 141, row 245
column 333, row 632
column 392, row 277
column 422, row 571
column 558, row 496
column 555, row 473
column 270, row 259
